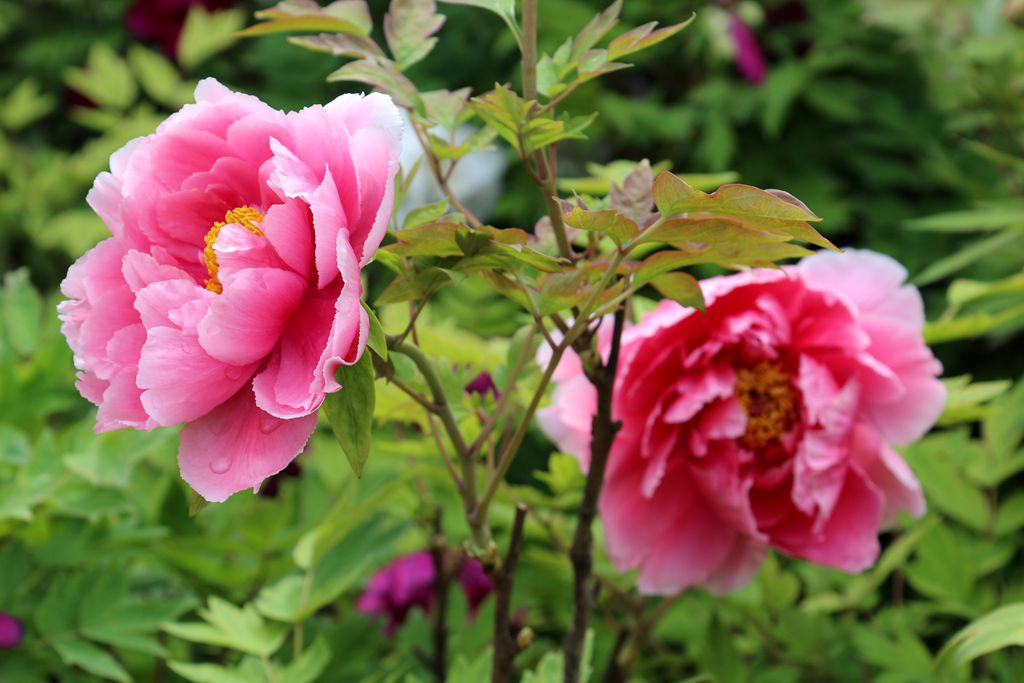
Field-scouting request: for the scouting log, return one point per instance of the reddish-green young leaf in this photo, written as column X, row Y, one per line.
column 354, row 12
column 502, row 110
column 686, row 231
column 560, row 291
column 412, row 285
column 433, row 239
column 662, row 262
column 673, row 196
column 340, row 44
column 446, row 108
column 596, row 29
column 507, row 287
column 605, row 222
column 409, row 28
column 384, row 76
column 633, row 197
column 682, row 288
column 643, row 37
column 771, row 211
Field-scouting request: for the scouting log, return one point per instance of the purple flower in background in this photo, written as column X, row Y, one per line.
column 481, row 384
column 409, row 582
column 749, row 59
column 11, row 631
column 161, row 21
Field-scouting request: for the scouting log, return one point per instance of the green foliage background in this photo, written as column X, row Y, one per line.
column 900, row 122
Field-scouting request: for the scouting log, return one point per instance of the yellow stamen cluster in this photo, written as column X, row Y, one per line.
column 767, row 396
column 247, row 217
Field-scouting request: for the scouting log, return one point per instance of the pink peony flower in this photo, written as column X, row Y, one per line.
column 765, row 422
column 409, row 582
column 229, row 292
column 11, row 631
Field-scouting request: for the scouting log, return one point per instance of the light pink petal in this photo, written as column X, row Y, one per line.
column 370, row 111
column 567, row 421
column 288, row 230
column 121, row 406
column 180, row 381
column 738, row 568
column 236, row 446
column 245, row 322
column 890, row 473
column 866, row 279
column 159, row 303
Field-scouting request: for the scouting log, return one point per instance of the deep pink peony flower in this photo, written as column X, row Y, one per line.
column 765, row 422
column 229, row 292
column 11, row 631
column 409, row 582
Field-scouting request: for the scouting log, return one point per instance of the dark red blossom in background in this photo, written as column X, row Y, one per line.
column 482, row 384
column 408, row 582
column 11, row 631
column 161, row 21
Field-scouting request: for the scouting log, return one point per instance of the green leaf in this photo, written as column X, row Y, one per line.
column 506, row 9
column 23, row 105
column 969, row 325
column 209, row 673
column 596, row 29
column 998, row 629
column 425, row 214
column 340, row 44
column 105, row 79
column 973, row 252
column 158, row 77
column 91, row 658
column 560, row 291
column 308, row 667
column 341, row 16
column 22, row 312
column 682, row 288
column 643, row 37
column 465, row 670
column 226, row 625
column 605, row 222
column 409, row 27
column 350, row 411
column 205, row 33
column 413, row 285
column 376, row 340
column 995, row 217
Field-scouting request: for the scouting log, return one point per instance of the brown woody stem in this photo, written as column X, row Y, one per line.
column 505, row 646
column 582, row 550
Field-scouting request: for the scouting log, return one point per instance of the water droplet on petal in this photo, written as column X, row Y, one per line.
column 233, row 372
column 220, row 465
column 186, row 348
column 268, row 423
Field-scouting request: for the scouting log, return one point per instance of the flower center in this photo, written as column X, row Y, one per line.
column 247, row 217
column 767, row 396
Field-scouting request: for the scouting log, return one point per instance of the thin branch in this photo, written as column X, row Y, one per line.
column 505, row 646
column 442, row 580
column 441, row 177
column 581, row 553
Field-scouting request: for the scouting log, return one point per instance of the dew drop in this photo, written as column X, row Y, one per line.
column 186, row 348
column 233, row 372
column 220, row 465
column 268, row 423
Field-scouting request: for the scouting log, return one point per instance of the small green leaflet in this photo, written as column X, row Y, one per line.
column 350, row 411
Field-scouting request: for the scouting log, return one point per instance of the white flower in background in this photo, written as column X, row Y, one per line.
column 477, row 179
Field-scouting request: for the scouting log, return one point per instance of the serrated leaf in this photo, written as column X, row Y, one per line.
column 24, row 104
column 604, row 222
column 643, row 37
column 506, row 9
column 432, row 239
column 560, row 291
column 205, row 33
column 382, row 75
column 409, row 27
column 226, row 625
column 91, row 658
column 340, row 44
column 596, row 29
column 105, row 79
column 350, row 411
column 158, row 77
column 308, row 666
column 682, row 288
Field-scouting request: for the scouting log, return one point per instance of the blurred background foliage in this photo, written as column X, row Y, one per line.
column 901, row 122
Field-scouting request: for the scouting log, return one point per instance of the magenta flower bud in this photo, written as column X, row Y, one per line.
column 749, row 59
column 481, row 384
column 11, row 631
